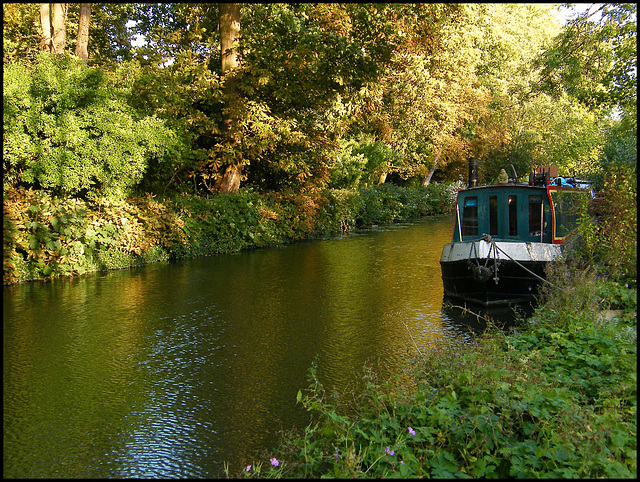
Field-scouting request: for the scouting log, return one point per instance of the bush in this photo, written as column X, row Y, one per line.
column 388, row 203
column 46, row 236
column 348, row 166
column 67, row 131
column 609, row 240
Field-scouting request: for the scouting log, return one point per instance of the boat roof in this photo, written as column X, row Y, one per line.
column 556, row 183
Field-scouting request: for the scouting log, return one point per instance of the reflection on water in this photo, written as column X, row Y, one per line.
column 470, row 320
column 170, row 370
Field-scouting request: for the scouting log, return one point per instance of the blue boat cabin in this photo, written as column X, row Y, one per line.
column 516, row 212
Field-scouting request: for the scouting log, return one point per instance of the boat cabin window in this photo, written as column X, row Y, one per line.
column 535, row 215
column 513, row 215
column 470, row 217
column 493, row 215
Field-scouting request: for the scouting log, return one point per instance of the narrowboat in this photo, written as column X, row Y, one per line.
column 506, row 233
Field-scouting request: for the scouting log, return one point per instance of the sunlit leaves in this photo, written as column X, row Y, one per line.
column 171, row 28
column 20, row 34
column 595, row 58
column 302, row 55
column 435, row 83
column 71, row 133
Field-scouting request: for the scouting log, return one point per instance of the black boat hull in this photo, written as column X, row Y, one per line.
column 462, row 281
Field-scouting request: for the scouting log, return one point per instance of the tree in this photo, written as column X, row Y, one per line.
column 27, row 31
column 59, row 27
column 45, row 22
column 519, row 125
column 21, row 33
column 229, row 33
column 428, row 91
column 281, row 136
column 53, row 22
column 83, row 32
column 109, row 35
column 595, row 58
column 298, row 59
column 170, row 29
column 53, row 27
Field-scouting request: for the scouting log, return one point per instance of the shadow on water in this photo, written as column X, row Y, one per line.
column 470, row 320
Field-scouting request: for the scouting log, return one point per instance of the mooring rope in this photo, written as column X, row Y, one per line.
column 488, row 239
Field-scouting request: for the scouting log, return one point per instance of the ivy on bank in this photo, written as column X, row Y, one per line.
column 46, row 236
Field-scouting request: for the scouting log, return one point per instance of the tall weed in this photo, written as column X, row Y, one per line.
column 610, row 239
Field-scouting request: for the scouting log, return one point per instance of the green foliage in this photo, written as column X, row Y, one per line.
column 174, row 29
column 388, row 203
column 221, row 224
column 383, row 205
column 297, row 59
column 187, row 96
column 46, row 236
column 361, row 163
column 321, row 50
column 618, row 296
column 610, row 240
column 570, row 137
column 67, row 131
column 20, row 36
column 109, row 38
column 341, row 209
column 348, row 166
column 49, row 237
column 381, row 158
column 428, row 85
column 620, row 153
column 594, row 59
column 285, row 86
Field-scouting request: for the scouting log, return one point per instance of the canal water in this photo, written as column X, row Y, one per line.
column 169, row 370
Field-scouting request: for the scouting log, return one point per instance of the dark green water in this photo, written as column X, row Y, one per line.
column 170, row 370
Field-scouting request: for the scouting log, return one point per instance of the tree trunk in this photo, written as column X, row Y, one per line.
column 432, row 169
column 45, row 23
column 382, row 178
column 59, row 32
column 82, row 41
column 231, row 180
column 229, row 32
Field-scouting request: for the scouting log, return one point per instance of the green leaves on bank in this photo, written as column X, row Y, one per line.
column 46, row 236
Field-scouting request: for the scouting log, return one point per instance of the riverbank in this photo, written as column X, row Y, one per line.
column 45, row 236
column 554, row 398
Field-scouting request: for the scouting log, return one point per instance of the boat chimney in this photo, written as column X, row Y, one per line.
column 473, row 172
